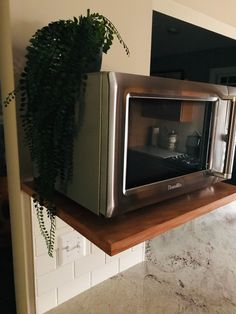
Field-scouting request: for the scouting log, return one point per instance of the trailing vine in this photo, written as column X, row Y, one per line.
column 51, row 85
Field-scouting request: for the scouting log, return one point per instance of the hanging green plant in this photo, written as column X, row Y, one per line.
column 51, row 84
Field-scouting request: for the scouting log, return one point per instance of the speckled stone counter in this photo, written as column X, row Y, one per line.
column 190, row 269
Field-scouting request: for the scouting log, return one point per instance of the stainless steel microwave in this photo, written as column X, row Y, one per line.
column 145, row 139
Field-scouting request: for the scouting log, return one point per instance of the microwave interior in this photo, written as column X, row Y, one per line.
column 165, row 138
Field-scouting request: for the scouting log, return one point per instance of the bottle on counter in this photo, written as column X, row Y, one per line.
column 172, row 140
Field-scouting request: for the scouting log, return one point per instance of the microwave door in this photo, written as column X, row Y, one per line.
column 223, row 138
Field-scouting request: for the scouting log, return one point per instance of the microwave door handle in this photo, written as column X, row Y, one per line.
column 231, row 145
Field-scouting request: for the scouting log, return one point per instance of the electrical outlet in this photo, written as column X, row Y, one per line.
column 71, row 246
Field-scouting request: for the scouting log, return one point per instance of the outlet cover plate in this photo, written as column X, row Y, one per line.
column 71, row 246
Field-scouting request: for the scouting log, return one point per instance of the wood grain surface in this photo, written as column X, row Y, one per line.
column 114, row 235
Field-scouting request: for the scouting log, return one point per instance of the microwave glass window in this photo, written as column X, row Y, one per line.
column 166, row 138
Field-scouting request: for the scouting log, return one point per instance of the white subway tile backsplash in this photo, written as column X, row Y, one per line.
column 56, row 284
column 117, row 256
column 88, row 263
column 129, row 260
column 46, row 301
column 110, row 259
column 88, row 247
column 55, row 278
column 138, row 247
column 72, row 288
column 95, row 249
column 44, row 264
column 104, row 272
column 40, row 246
column 60, row 223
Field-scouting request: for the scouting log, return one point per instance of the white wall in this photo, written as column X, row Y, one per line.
column 132, row 19
column 202, row 13
column 223, row 11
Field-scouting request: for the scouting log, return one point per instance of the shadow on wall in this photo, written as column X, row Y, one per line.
column 24, row 155
column 22, row 32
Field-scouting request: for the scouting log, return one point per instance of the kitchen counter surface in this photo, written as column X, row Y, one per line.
column 189, row 270
column 143, row 290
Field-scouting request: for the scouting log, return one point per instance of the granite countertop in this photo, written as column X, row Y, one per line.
column 137, row 290
column 189, row 270
column 141, row 290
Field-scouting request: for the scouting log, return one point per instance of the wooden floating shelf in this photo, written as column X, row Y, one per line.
column 114, row 235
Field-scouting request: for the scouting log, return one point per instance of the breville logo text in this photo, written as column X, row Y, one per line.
column 174, row 186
